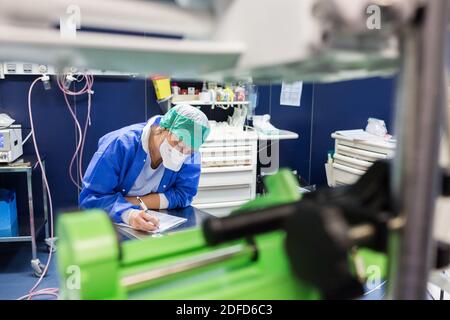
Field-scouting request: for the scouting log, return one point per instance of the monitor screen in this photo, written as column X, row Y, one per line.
column 2, row 140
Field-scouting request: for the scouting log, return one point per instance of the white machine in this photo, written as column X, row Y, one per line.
column 355, row 152
column 10, row 143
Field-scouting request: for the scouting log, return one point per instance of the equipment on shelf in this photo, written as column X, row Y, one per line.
column 10, row 143
column 211, row 93
column 262, row 124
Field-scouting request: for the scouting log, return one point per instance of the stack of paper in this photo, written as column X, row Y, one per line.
column 166, row 221
column 361, row 135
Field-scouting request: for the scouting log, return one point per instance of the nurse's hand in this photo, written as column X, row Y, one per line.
column 143, row 221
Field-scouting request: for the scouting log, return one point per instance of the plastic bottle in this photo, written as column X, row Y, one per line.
column 205, row 94
column 330, row 158
column 175, row 89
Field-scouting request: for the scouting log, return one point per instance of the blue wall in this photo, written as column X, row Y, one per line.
column 293, row 153
column 118, row 102
column 324, row 109
column 346, row 105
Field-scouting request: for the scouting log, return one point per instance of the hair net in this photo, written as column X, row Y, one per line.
column 188, row 123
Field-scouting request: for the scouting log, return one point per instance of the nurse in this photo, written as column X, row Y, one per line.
column 157, row 161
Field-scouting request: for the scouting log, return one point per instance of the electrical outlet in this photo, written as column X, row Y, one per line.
column 11, row 67
column 28, row 68
column 42, row 68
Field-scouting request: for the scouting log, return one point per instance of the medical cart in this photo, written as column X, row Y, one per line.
column 27, row 165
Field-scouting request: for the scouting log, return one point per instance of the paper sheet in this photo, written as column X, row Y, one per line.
column 291, row 93
column 166, row 222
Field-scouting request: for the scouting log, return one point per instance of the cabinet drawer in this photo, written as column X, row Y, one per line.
column 220, row 209
column 360, row 153
column 352, row 162
column 226, row 142
column 221, row 152
column 217, row 179
column 228, row 161
column 346, row 175
column 222, row 194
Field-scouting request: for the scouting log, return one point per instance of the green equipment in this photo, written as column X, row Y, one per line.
column 252, row 254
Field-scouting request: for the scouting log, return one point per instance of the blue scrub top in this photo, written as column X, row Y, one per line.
column 116, row 165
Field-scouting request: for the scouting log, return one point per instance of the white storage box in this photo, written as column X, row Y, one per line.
column 355, row 152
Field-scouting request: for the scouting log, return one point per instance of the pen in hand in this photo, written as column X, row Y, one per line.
column 144, row 207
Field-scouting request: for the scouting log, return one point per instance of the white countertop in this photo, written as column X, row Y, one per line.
column 282, row 135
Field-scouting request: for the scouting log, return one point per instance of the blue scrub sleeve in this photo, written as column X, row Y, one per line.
column 101, row 181
column 181, row 193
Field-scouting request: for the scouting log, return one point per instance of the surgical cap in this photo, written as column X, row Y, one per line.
column 189, row 124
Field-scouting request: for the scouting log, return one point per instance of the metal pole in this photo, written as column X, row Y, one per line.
column 31, row 210
column 415, row 174
column 44, row 203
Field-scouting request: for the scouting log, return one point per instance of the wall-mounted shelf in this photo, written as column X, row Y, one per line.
column 16, row 68
column 202, row 103
column 281, row 135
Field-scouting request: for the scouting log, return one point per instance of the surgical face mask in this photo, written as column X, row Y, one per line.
column 171, row 157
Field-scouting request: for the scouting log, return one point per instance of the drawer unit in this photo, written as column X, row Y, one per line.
column 354, row 155
column 228, row 177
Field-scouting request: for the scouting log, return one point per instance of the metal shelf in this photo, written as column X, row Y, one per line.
column 26, row 164
column 202, row 103
column 24, row 231
column 15, row 239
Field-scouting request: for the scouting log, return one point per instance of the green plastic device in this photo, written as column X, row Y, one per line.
column 93, row 265
column 176, row 266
